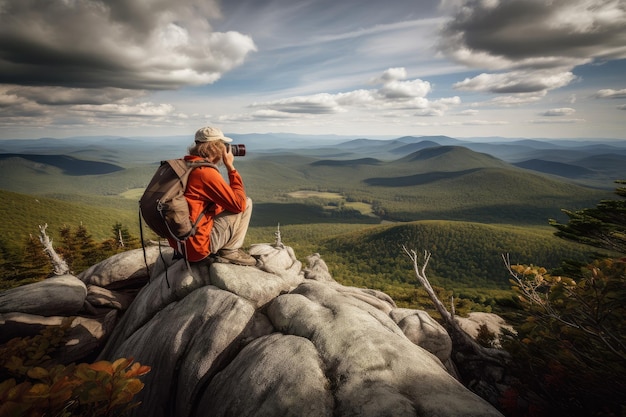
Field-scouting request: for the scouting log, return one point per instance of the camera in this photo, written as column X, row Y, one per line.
column 238, row 150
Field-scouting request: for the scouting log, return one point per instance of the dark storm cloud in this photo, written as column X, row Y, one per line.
column 536, row 32
column 127, row 44
column 540, row 42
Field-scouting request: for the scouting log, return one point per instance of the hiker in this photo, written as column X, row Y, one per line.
column 223, row 228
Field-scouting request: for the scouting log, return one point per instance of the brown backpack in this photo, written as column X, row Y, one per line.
column 163, row 205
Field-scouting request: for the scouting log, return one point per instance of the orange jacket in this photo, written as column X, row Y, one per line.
column 205, row 187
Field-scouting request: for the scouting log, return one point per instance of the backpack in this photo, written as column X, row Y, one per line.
column 163, row 205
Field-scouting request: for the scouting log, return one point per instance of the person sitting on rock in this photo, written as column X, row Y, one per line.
column 223, row 228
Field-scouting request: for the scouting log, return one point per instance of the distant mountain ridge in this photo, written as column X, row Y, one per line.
column 555, row 168
column 349, row 162
column 69, row 165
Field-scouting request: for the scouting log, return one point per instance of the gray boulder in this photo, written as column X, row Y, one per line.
column 225, row 340
column 494, row 324
column 58, row 296
column 126, row 269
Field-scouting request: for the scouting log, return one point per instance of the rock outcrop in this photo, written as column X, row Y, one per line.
column 276, row 339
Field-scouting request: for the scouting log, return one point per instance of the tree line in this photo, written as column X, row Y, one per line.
column 27, row 262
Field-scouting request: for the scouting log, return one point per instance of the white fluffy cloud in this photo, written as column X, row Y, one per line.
column 394, row 92
column 610, row 93
column 516, row 82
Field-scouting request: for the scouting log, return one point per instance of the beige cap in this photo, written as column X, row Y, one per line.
column 208, row 134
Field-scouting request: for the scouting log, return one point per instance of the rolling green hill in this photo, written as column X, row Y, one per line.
column 67, row 164
column 22, row 214
column 555, row 168
column 450, row 158
column 464, row 255
column 25, row 176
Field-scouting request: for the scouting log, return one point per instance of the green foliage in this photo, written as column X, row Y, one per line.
column 486, row 337
column 32, row 385
column 23, row 265
column 570, row 351
column 602, row 227
column 371, row 256
column 22, row 215
column 465, row 255
column 121, row 240
column 80, row 250
column 49, row 181
column 28, row 263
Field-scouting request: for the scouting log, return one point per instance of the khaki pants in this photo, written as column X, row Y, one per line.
column 229, row 229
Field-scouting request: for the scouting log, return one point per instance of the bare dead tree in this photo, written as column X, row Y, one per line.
column 483, row 369
column 279, row 242
column 457, row 334
column 59, row 265
column 120, row 239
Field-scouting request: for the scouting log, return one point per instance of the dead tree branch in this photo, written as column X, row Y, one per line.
column 458, row 335
column 483, row 370
column 59, row 266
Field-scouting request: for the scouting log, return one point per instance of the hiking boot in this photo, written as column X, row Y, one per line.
column 236, row 256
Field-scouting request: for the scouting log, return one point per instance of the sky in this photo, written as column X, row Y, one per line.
column 370, row 68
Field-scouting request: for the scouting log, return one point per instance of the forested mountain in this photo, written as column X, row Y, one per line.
column 68, row 165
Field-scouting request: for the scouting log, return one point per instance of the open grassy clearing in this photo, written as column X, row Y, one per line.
column 133, row 194
column 315, row 194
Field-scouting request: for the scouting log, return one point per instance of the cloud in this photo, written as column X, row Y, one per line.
column 260, row 115
column 609, row 93
column 125, row 110
column 405, row 89
column 56, row 107
column 468, row 112
column 564, row 111
column 58, row 96
column 316, row 104
column 518, row 99
column 516, row 82
column 390, row 75
column 531, row 45
column 515, row 33
column 485, row 123
column 556, row 121
column 115, row 44
column 394, row 93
